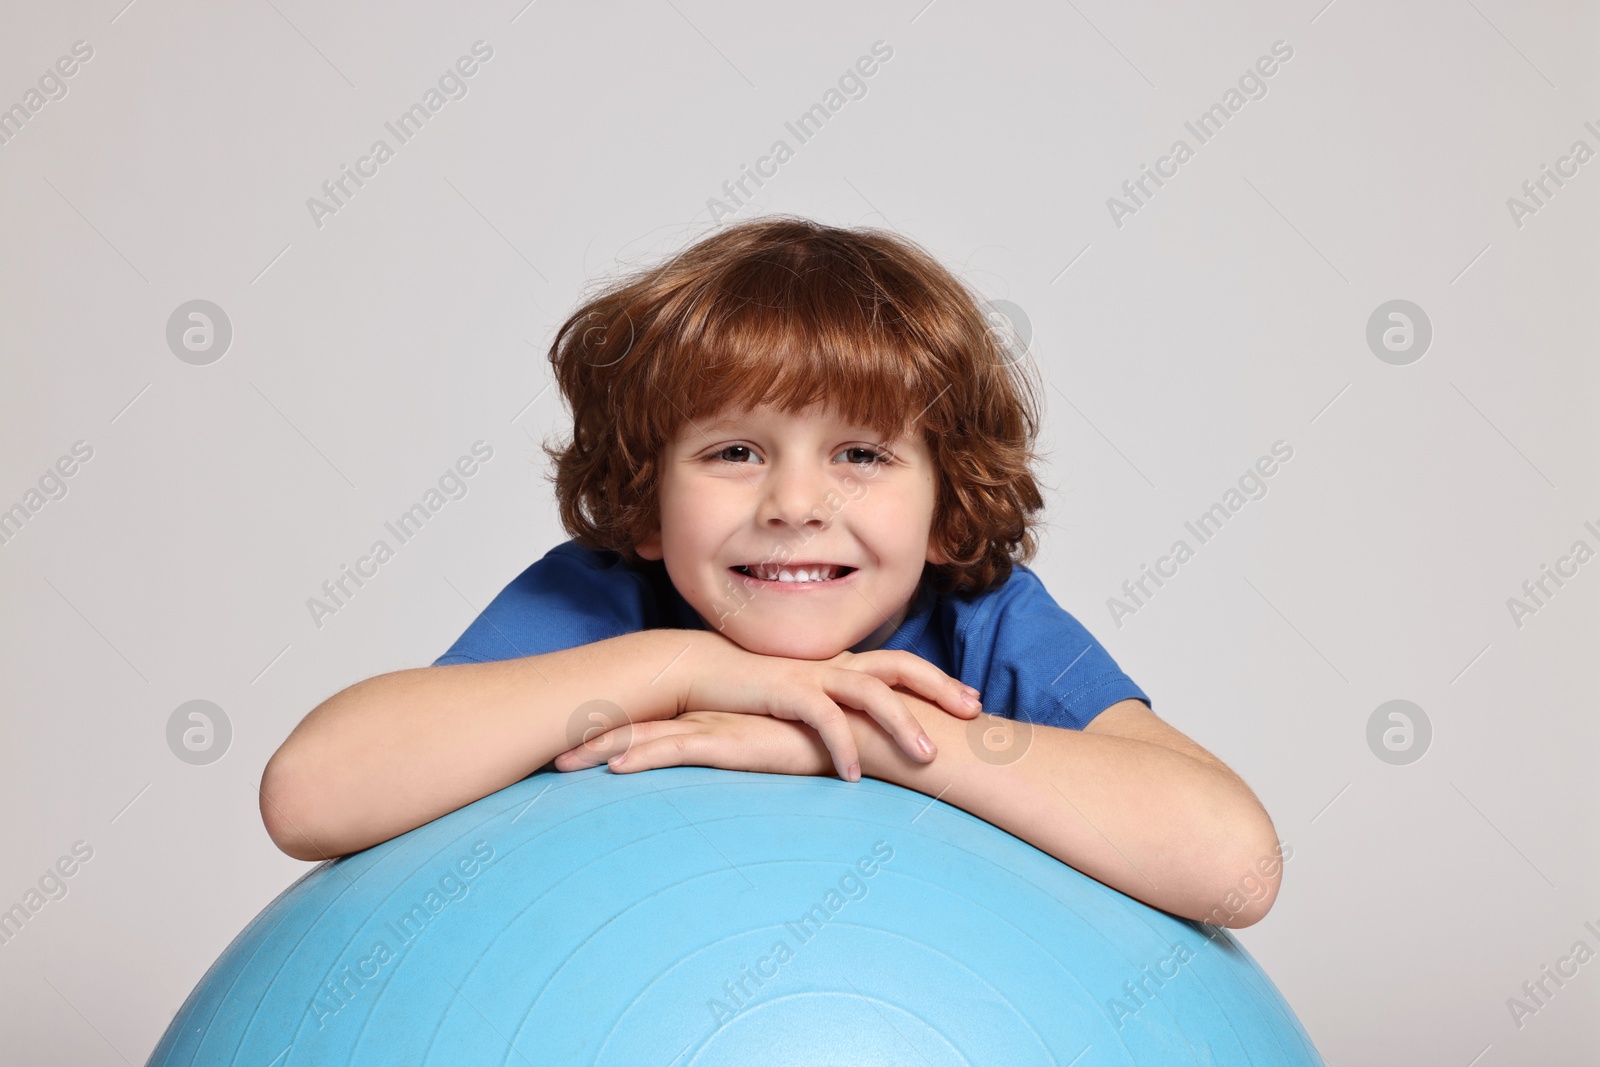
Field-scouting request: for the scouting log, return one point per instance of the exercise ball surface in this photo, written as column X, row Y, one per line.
column 689, row 916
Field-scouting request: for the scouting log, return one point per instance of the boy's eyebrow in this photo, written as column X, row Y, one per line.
column 720, row 424
column 739, row 423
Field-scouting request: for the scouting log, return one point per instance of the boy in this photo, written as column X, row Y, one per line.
column 800, row 497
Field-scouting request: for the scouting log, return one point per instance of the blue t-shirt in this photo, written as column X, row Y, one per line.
column 1029, row 658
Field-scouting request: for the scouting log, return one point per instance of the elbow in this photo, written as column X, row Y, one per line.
column 1253, row 910
column 1247, row 884
column 288, row 810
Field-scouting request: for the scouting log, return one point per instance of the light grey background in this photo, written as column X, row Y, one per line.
column 1228, row 313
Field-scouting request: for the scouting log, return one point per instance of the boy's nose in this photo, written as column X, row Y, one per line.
column 794, row 496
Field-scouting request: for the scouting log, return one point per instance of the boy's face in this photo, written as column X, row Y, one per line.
column 761, row 487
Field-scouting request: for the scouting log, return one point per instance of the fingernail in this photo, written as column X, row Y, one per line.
column 970, row 701
column 853, row 772
column 616, row 761
column 925, row 745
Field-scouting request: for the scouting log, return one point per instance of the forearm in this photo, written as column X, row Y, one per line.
column 395, row 751
column 1154, row 823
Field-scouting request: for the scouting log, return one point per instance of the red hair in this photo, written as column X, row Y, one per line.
column 789, row 312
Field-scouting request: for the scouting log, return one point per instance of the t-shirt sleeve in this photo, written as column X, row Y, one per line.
column 570, row 597
column 1039, row 664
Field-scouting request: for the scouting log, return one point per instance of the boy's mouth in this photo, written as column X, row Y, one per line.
column 794, row 573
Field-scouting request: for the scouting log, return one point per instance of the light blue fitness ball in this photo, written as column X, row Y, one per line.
column 688, row 916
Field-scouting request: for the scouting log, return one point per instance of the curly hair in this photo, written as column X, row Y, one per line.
column 786, row 311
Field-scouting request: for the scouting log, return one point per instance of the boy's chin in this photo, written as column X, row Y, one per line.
column 790, row 645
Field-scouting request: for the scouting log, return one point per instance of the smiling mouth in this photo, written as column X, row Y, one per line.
column 798, row 573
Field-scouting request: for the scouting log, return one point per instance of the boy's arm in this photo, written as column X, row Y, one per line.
column 1128, row 800
column 395, row 751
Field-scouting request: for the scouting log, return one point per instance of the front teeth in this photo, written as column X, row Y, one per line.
column 785, row 574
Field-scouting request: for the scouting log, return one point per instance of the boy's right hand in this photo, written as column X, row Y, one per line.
column 733, row 679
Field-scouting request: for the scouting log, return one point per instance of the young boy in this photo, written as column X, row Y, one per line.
column 800, row 497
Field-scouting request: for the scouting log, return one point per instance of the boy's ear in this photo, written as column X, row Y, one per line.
column 650, row 547
column 936, row 552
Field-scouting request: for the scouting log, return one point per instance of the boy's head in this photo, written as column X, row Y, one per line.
column 727, row 406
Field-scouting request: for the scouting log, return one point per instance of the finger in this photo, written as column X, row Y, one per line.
column 910, row 670
column 869, row 694
column 671, row 750
column 603, row 746
column 581, row 758
column 575, row 759
column 832, row 725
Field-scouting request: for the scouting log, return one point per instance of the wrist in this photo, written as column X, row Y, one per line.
column 688, row 656
column 871, row 740
column 670, row 661
column 884, row 759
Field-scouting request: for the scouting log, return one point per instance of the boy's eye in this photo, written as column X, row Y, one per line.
column 736, row 454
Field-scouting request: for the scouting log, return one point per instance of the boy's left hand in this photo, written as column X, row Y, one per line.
column 728, row 740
